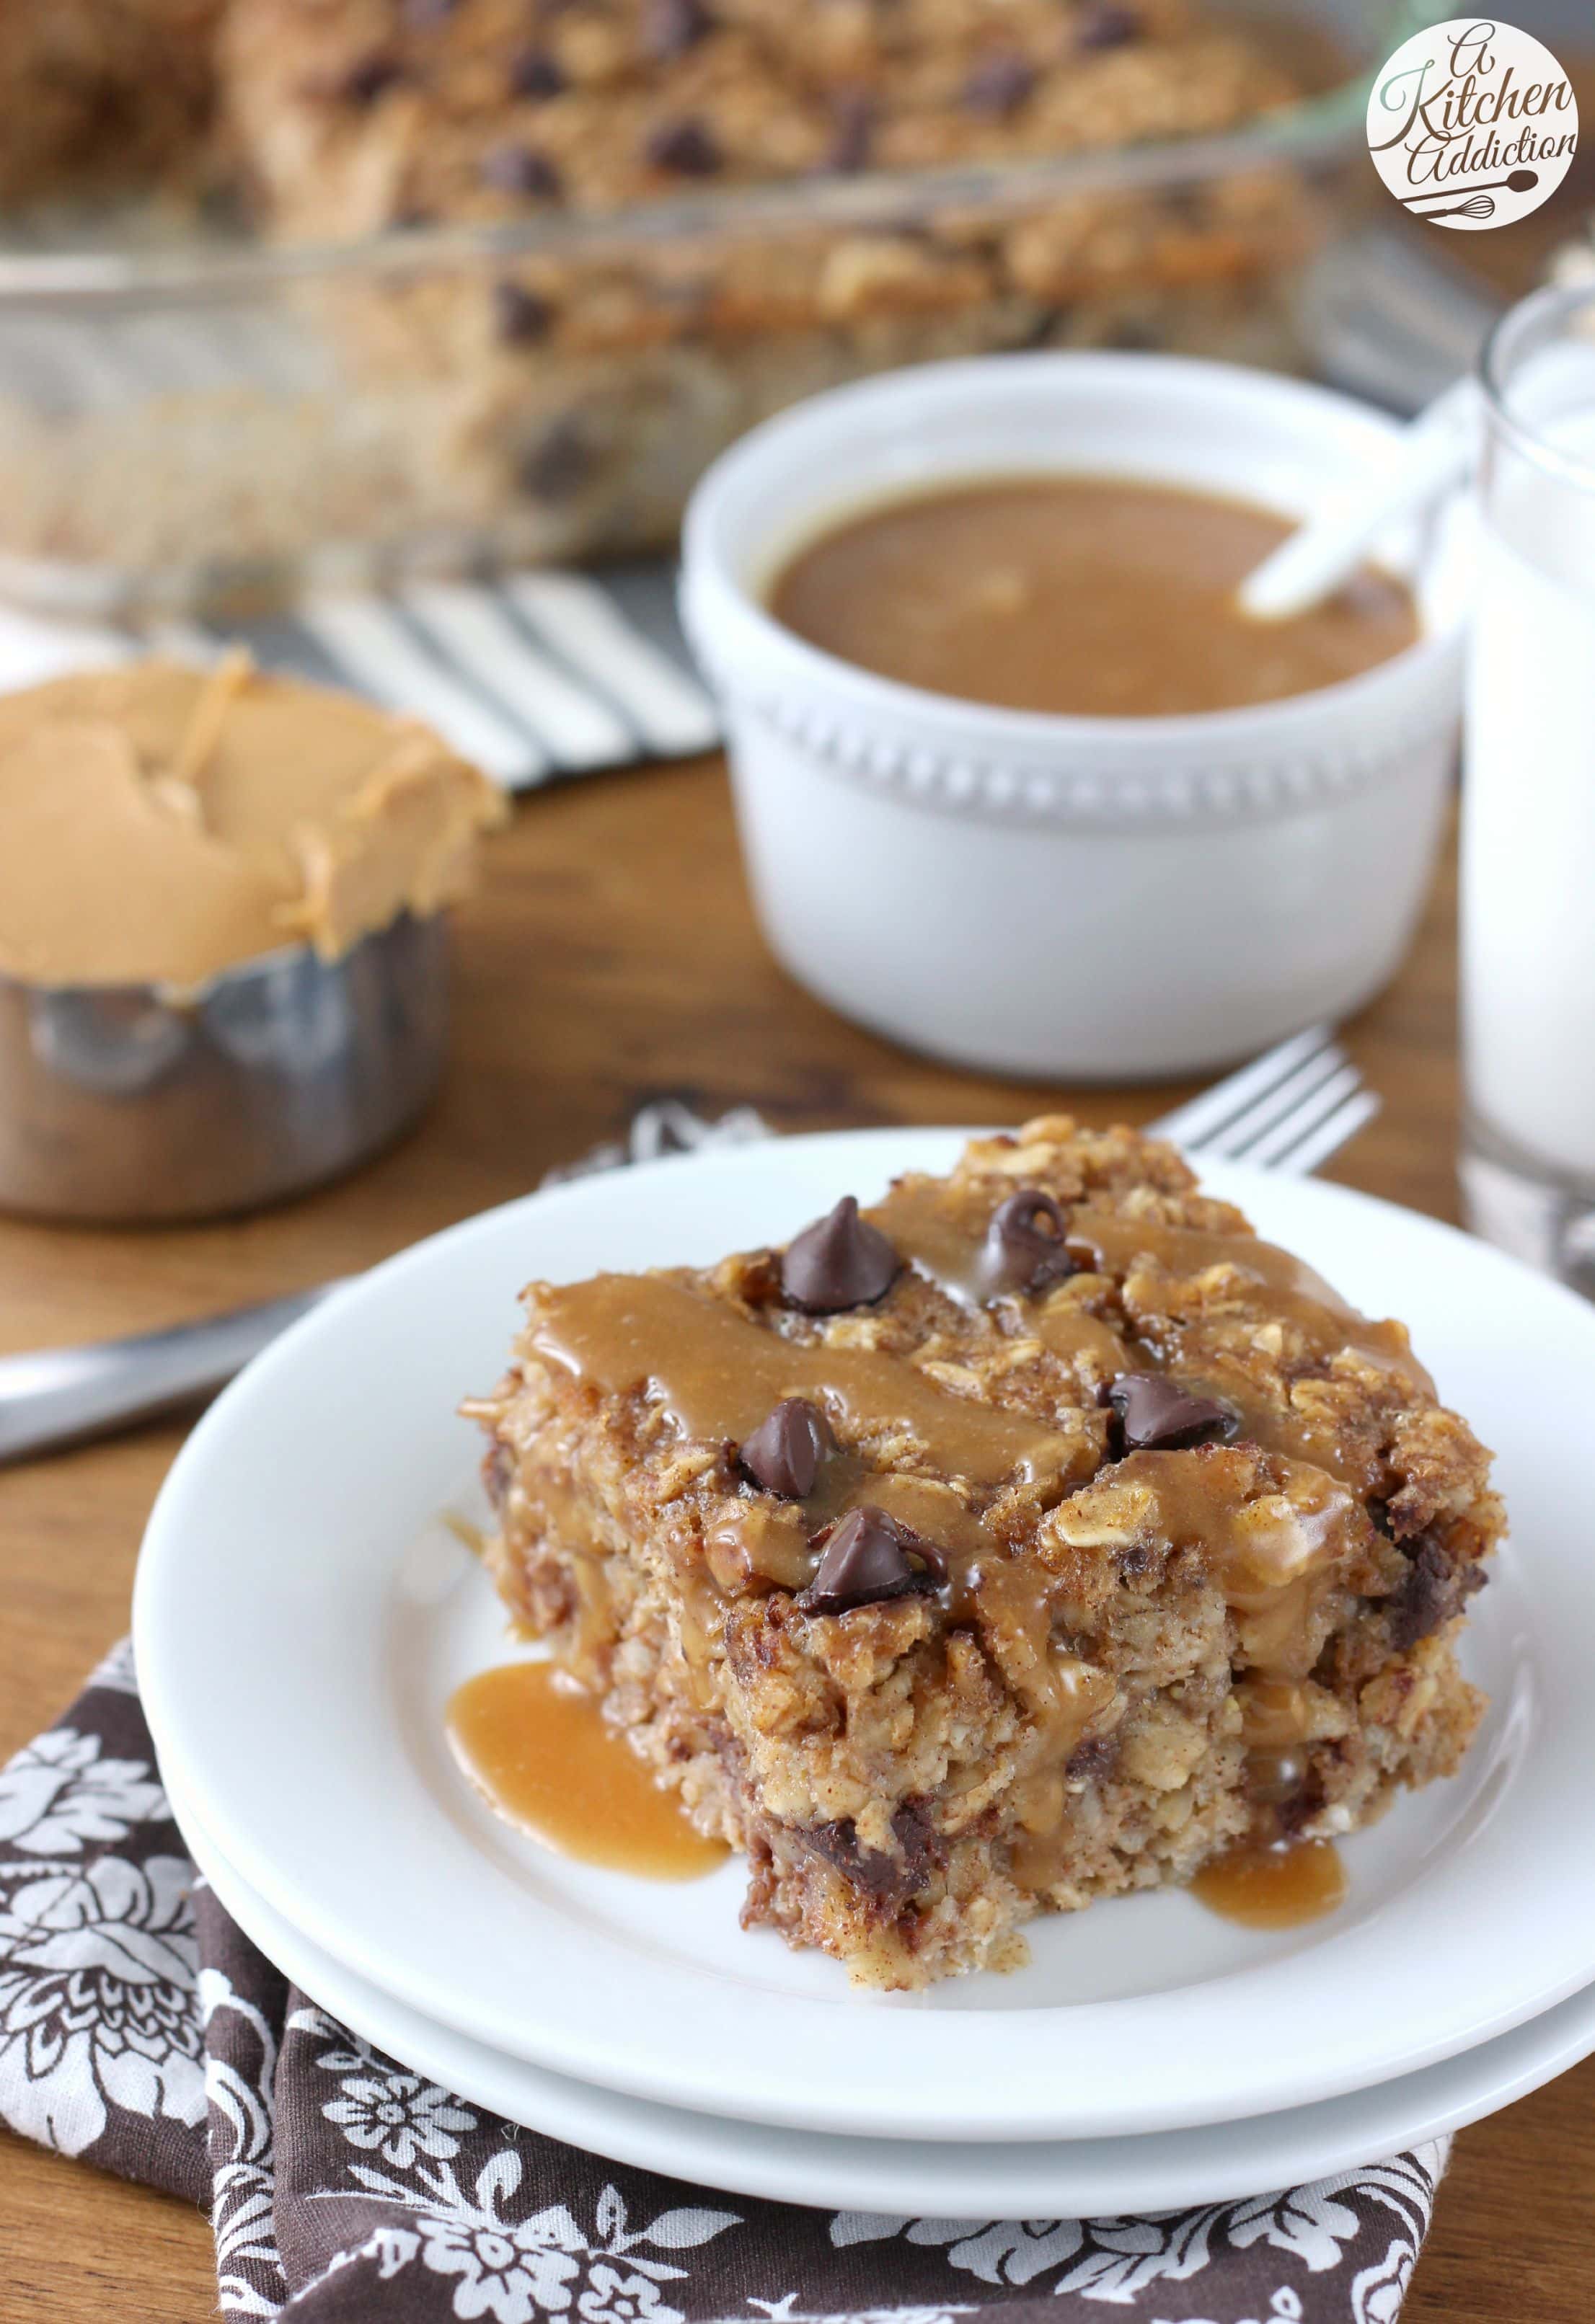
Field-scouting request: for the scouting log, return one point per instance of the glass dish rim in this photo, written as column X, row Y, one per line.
column 1317, row 127
column 1558, row 301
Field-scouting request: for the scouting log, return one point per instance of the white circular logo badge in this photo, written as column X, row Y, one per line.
column 1473, row 123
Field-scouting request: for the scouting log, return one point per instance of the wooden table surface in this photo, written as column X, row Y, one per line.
column 611, row 958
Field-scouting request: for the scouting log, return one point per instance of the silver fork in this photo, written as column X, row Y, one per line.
column 1288, row 1111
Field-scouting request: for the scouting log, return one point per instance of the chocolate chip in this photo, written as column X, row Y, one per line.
column 1156, row 1414
column 1435, row 1587
column 536, row 73
column 520, row 169
column 853, row 113
column 1094, row 1758
column 866, row 1560
column 889, row 1880
column 1000, row 84
column 1019, row 1254
column 785, row 1449
column 671, row 27
column 520, row 316
column 368, row 77
column 841, row 1262
column 1106, row 26
column 685, row 147
column 558, row 464
column 421, row 16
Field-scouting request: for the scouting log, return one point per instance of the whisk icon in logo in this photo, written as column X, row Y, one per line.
column 1473, row 123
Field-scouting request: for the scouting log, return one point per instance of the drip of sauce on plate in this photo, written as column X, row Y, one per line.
column 541, row 1756
column 1088, row 596
column 1273, row 1884
column 1272, row 1880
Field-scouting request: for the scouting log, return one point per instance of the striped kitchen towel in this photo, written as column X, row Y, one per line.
column 534, row 676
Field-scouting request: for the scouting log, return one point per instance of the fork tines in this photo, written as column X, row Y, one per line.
column 1289, row 1110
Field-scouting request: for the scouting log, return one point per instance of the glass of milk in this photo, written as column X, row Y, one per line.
column 1528, row 811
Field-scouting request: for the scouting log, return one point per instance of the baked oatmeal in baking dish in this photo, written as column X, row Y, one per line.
column 1036, row 1534
column 475, row 280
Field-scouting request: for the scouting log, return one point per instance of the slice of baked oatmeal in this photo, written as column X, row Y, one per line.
column 1037, row 1535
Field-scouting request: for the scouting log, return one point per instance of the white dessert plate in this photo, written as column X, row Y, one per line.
column 1158, row 2171
column 301, row 1616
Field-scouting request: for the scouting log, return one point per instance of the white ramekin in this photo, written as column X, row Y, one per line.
column 1105, row 898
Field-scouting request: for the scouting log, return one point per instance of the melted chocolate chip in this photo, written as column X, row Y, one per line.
column 888, row 1880
column 520, row 169
column 519, row 315
column 853, row 114
column 1156, row 1414
column 536, row 73
column 999, row 85
column 558, row 464
column 684, row 147
column 866, row 1560
column 1106, row 26
column 785, row 1449
column 498, row 1469
column 671, row 27
column 422, row 14
column 1092, row 1757
column 841, row 1262
column 1020, row 1253
column 368, row 77
column 1435, row 1587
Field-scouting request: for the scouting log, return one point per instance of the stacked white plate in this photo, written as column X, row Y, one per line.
column 305, row 1611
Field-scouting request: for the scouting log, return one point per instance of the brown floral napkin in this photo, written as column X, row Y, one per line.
column 141, row 2029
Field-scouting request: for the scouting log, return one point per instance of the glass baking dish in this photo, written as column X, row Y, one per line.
column 198, row 423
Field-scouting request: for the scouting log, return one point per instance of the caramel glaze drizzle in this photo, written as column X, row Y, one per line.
column 717, row 1374
column 1297, row 1295
column 945, row 1244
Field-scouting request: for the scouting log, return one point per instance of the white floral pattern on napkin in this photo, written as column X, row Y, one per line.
column 141, row 2029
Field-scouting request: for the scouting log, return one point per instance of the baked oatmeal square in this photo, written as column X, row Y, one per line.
column 1037, row 1535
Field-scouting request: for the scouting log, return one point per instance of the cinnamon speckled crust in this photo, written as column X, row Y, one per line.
column 905, row 1800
